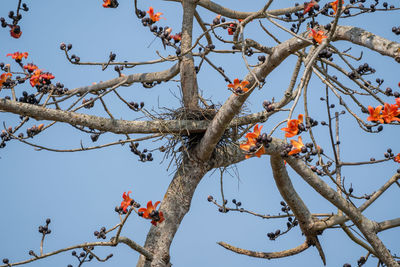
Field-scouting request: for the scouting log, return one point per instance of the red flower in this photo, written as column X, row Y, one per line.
column 177, row 37
column 318, row 36
column 47, row 76
column 18, row 56
column 154, row 17
column 238, row 86
column 126, row 202
column 3, row 78
column 308, row 6
column 334, row 6
column 252, row 141
column 231, row 29
column 151, row 213
column 293, row 127
column 110, row 3
column 30, row 67
column 297, row 146
column 390, row 113
column 34, row 80
column 15, row 31
column 397, row 158
column 375, row 114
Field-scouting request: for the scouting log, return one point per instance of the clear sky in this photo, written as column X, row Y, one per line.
column 79, row 191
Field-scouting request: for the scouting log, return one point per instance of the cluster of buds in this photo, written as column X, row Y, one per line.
column 85, row 256
column 224, row 208
column 30, row 99
column 59, row 89
column 143, row 157
column 136, row 106
column 396, row 30
column 34, row 130
column 101, row 233
column 268, row 106
column 289, row 224
column 325, row 53
column 5, row 136
column 218, row 19
column 361, row 70
column 274, row 235
column 94, row 137
column 15, row 29
column 44, row 229
column 88, row 103
column 75, row 58
column 65, row 47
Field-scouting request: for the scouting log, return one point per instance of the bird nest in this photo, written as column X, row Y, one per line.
column 181, row 144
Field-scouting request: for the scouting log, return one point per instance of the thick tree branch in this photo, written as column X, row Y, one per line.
column 300, row 210
column 367, row 39
column 266, row 255
column 159, row 76
column 120, row 126
column 187, row 72
column 388, row 224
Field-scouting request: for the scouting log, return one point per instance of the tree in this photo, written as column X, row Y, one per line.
column 202, row 135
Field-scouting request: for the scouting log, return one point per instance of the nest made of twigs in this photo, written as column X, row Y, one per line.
column 180, row 144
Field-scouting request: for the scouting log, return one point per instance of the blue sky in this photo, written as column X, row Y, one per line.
column 79, row 191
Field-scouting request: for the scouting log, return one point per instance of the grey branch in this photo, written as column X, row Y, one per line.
column 130, row 79
column 266, row 255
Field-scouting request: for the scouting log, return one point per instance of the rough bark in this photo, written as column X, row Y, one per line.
column 187, row 72
column 175, row 205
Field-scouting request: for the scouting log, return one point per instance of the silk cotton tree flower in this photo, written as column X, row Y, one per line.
column 390, row 113
column 251, row 143
column 3, row 78
column 318, row 36
column 15, row 31
column 334, row 5
column 308, row 6
column 397, row 158
column 375, row 114
column 126, row 202
column 154, row 16
column 239, row 86
column 18, row 56
column 34, row 80
column 110, row 3
column 30, row 67
column 298, row 145
column 151, row 213
column 292, row 128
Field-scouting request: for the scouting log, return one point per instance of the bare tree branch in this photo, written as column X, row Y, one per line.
column 267, row 255
column 159, row 76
